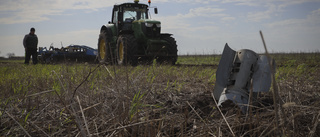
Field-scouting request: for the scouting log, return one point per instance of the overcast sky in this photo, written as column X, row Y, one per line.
column 199, row 26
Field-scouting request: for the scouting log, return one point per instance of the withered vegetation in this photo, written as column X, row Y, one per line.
column 153, row 100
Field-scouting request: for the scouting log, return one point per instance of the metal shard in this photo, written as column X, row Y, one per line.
column 237, row 73
column 261, row 79
column 238, row 97
column 243, row 67
column 223, row 70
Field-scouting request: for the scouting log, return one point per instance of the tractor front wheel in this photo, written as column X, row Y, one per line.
column 126, row 50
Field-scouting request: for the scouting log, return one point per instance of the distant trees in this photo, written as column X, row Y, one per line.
column 10, row 55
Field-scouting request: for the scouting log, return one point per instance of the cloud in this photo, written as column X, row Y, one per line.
column 259, row 3
column 316, row 12
column 259, row 16
column 243, row 2
column 295, row 34
column 286, row 3
column 188, row 22
column 26, row 11
column 29, row 11
column 311, row 20
column 228, row 18
column 266, row 9
column 205, row 12
column 185, row 1
column 269, row 10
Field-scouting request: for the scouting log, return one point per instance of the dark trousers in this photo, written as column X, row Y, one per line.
column 31, row 52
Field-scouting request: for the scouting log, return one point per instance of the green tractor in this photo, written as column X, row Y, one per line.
column 132, row 37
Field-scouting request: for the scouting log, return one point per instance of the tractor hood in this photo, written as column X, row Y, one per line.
column 147, row 27
column 148, row 21
column 152, row 21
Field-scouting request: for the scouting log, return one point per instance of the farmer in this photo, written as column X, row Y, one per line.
column 30, row 43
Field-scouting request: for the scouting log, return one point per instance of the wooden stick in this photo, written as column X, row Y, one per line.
column 84, row 118
column 224, row 118
column 25, row 131
column 275, row 100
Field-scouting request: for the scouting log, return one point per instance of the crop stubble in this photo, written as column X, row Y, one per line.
column 154, row 100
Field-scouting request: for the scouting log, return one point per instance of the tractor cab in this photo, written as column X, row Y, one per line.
column 124, row 14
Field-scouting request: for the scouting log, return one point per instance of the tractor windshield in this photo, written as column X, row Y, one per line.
column 131, row 14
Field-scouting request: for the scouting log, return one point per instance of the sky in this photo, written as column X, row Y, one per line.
column 199, row 26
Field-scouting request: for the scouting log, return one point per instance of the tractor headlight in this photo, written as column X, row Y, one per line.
column 149, row 24
column 158, row 25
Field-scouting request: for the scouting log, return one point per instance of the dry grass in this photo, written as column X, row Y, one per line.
column 97, row 100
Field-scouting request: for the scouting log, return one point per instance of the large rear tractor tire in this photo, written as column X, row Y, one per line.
column 104, row 49
column 126, row 50
column 172, row 50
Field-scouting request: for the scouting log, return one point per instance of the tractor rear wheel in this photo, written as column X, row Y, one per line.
column 104, row 49
column 172, row 50
column 126, row 50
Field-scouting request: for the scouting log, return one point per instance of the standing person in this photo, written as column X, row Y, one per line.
column 30, row 43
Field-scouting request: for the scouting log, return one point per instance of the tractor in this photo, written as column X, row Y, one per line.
column 71, row 53
column 131, row 37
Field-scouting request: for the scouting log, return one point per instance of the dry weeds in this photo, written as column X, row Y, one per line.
column 151, row 101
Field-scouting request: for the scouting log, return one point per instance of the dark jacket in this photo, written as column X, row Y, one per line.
column 30, row 41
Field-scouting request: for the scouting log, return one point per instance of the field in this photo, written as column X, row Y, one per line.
column 153, row 100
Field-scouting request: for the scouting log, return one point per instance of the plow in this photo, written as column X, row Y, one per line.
column 71, row 53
